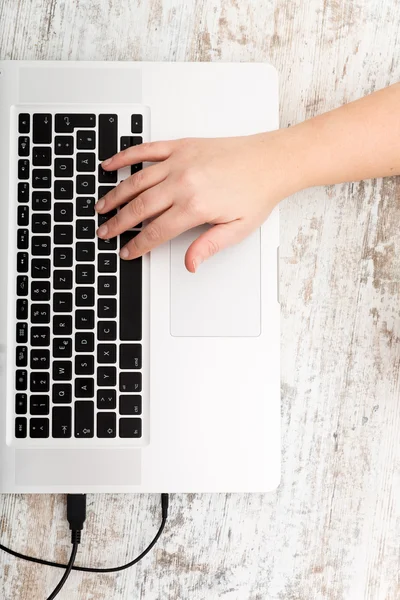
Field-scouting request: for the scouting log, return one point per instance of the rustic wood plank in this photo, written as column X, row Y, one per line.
column 331, row 530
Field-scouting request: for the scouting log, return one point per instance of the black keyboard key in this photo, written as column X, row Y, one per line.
column 41, row 178
column 41, row 157
column 42, row 124
column 63, row 167
column 85, row 206
column 21, row 356
column 63, row 234
column 85, row 251
column 130, row 295
column 137, row 123
column 20, row 427
column 62, row 347
column 23, row 216
column 102, row 190
column 106, row 399
column 61, row 426
column 62, row 302
column 106, row 376
column 85, row 184
column 40, row 291
column 62, row 257
column 61, row 393
column 84, row 364
column 107, row 176
column 136, row 168
column 63, row 212
column 107, row 331
column 130, row 428
column 21, row 379
column 65, row 123
column 130, row 405
column 23, row 146
column 23, row 191
column 106, row 308
column 22, row 262
column 86, row 140
column 84, row 319
column 22, row 305
column 84, row 387
column 130, row 356
column 62, row 280
column 40, row 336
column 40, row 382
column 84, row 274
column 23, row 239
column 107, row 285
column 106, row 353
column 84, row 229
column 62, row 370
column 39, row 427
column 41, row 201
column 40, row 313
column 62, row 325
column 21, row 404
column 40, row 359
column 84, row 341
column 85, row 162
column 107, row 263
column 108, row 131
column 106, row 425
column 21, row 333
column 23, row 168
column 129, row 141
column 105, row 217
column 64, row 145
column 40, row 268
column 84, row 419
column 41, row 223
column 24, row 123
column 84, row 296
column 130, row 381
column 63, row 189
column 41, row 245
column 39, row 405
column 110, row 244
column 22, row 287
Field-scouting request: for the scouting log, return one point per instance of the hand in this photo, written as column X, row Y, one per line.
column 231, row 183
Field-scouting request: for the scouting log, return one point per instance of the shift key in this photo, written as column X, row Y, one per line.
column 108, row 136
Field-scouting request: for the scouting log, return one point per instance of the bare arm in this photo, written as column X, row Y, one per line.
column 234, row 183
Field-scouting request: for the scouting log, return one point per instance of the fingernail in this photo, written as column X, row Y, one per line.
column 100, row 204
column 102, row 230
column 196, row 263
column 124, row 253
column 106, row 162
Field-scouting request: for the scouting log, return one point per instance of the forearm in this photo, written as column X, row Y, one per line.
column 360, row 140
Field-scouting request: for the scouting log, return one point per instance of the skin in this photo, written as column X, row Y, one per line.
column 234, row 183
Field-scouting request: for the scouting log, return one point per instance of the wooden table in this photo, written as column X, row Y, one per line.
column 332, row 529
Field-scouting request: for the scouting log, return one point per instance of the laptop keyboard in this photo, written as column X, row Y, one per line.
column 78, row 335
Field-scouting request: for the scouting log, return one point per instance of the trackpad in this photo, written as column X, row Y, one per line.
column 223, row 298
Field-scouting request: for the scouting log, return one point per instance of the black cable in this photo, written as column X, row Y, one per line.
column 67, row 572
column 40, row 561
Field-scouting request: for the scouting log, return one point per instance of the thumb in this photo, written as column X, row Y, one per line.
column 212, row 241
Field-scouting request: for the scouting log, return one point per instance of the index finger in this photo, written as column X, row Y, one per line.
column 147, row 152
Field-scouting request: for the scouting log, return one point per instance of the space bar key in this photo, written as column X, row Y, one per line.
column 130, row 295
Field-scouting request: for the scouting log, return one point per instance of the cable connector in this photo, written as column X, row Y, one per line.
column 164, row 505
column 76, row 515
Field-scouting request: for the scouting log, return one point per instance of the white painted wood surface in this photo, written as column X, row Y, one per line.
column 332, row 530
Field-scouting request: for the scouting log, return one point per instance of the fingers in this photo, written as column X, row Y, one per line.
column 148, row 152
column 171, row 223
column 212, row 241
column 132, row 187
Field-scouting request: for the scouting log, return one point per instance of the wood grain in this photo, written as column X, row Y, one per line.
column 332, row 529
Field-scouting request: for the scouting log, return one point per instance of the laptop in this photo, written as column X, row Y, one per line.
column 129, row 376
